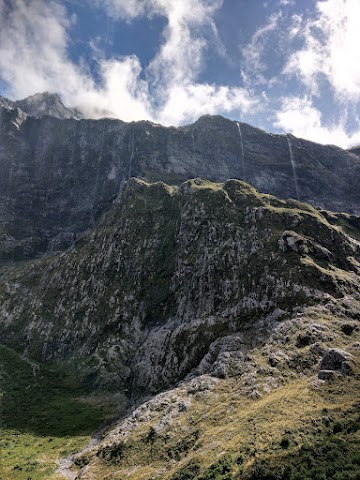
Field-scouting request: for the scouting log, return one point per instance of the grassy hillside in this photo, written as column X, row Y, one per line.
column 304, row 430
column 43, row 417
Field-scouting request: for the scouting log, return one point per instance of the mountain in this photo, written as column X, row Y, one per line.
column 60, row 175
column 41, row 105
column 141, row 301
column 355, row 150
column 161, row 319
column 223, row 321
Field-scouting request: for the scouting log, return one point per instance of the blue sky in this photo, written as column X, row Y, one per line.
column 282, row 65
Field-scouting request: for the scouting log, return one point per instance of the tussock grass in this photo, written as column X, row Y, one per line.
column 236, row 437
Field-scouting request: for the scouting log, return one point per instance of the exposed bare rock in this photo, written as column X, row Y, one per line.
column 182, row 281
column 338, row 360
column 59, row 175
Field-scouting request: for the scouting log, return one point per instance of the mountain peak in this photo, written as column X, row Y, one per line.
column 45, row 103
column 41, row 105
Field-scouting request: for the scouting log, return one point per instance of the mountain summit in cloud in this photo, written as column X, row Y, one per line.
column 41, row 105
column 285, row 66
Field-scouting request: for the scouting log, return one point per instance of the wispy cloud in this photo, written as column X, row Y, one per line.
column 317, row 60
column 34, row 56
column 255, row 60
column 330, row 50
column 299, row 116
column 282, row 70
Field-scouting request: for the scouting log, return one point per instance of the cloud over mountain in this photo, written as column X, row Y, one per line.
column 294, row 61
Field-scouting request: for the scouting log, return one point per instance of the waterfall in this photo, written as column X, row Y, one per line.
column 97, row 173
column 132, row 152
column 293, row 165
column 193, row 140
column 242, row 151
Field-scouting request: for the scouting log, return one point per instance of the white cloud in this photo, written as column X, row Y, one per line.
column 327, row 57
column 255, row 62
column 34, row 56
column 287, row 2
column 300, row 117
column 123, row 9
column 331, row 49
column 203, row 99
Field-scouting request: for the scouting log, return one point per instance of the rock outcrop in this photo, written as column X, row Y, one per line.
column 336, row 360
column 179, row 281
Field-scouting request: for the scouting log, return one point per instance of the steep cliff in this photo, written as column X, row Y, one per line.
column 41, row 105
column 58, row 176
column 139, row 302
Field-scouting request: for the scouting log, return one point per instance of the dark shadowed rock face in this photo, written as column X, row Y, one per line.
column 59, row 175
column 337, row 360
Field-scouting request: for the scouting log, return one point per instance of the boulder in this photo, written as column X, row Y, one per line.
column 338, row 360
column 327, row 375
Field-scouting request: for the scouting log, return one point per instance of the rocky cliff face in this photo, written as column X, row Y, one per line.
column 59, row 175
column 179, row 281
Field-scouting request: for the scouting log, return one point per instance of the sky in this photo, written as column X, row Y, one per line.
column 287, row 66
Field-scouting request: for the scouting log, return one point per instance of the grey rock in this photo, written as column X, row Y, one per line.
column 41, row 105
column 355, row 150
column 338, row 360
column 60, row 175
column 317, row 349
column 292, row 241
column 328, row 375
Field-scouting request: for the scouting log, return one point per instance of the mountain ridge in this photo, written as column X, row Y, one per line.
column 60, row 176
column 41, row 105
column 292, row 255
column 220, row 325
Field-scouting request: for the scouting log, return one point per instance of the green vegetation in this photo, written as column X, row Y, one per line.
column 331, row 453
column 220, row 470
column 42, row 417
column 24, row 456
column 295, row 432
column 43, row 400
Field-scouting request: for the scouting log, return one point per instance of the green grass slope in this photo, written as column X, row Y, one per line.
column 42, row 417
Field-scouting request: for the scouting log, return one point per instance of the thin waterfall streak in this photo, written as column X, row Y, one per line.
column 102, row 140
column 193, row 141
column 293, row 165
column 120, row 179
column 242, row 151
column 132, row 153
column 98, row 172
